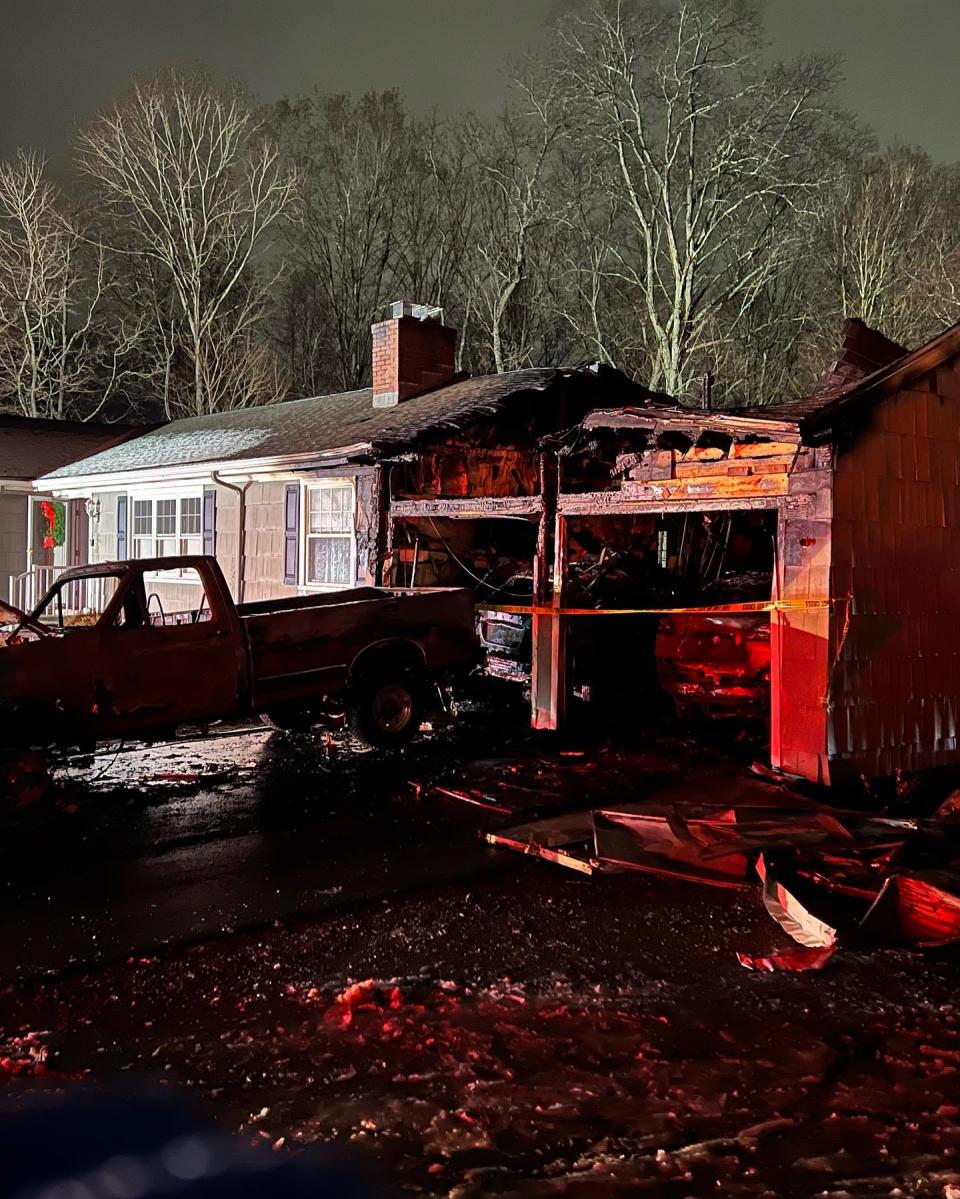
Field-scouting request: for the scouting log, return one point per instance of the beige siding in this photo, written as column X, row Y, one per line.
column 13, row 538
column 264, row 549
column 226, row 542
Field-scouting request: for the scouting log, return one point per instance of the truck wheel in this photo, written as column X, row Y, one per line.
column 289, row 720
column 386, row 710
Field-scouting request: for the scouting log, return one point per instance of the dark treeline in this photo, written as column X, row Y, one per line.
column 656, row 195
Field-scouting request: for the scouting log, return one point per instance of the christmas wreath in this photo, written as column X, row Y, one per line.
column 55, row 516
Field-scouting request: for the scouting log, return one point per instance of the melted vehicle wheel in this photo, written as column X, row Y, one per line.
column 387, row 711
column 24, row 778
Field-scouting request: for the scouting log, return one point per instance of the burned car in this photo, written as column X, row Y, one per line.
column 717, row 664
column 607, row 655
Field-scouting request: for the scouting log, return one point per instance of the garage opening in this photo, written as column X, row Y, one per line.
column 623, row 654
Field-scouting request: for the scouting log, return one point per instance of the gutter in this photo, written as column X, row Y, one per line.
column 241, row 528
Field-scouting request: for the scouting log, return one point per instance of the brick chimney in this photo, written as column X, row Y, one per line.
column 413, row 352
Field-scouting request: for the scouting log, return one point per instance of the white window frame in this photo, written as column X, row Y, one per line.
column 152, row 495
column 321, row 485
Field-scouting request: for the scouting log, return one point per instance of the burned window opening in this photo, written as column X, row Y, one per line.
column 492, row 555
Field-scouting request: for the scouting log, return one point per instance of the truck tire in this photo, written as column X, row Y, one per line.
column 290, row 720
column 386, row 707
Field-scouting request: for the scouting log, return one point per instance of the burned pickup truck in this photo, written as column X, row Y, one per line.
column 101, row 659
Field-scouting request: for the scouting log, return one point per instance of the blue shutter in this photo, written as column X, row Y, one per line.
column 291, row 534
column 122, row 552
column 210, row 523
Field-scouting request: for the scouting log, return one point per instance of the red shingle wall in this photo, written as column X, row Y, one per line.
column 800, row 640
column 896, row 551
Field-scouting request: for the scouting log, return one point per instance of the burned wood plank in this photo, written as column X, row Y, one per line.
column 560, row 856
column 598, row 503
column 690, row 422
column 523, row 505
column 721, row 487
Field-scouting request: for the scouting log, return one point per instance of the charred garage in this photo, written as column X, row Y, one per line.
column 794, row 562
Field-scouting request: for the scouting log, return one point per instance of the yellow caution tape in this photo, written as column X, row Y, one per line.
column 811, row 605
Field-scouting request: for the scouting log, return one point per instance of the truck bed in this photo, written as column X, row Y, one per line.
column 295, row 650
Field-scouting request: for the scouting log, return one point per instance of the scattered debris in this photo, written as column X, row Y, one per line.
column 23, row 1055
column 791, row 915
column 916, row 909
column 792, row 960
column 821, row 868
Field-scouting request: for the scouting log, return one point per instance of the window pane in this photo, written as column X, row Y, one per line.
column 166, row 546
column 176, row 597
column 166, row 517
column 331, row 509
column 142, row 517
column 81, row 601
column 190, row 517
column 329, row 559
column 143, row 547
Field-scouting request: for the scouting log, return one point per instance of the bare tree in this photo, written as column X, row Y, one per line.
column 58, row 358
column 389, row 208
column 701, row 159
column 185, row 171
column 352, row 158
column 516, row 216
column 883, row 239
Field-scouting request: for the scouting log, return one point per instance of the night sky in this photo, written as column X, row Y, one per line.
column 61, row 59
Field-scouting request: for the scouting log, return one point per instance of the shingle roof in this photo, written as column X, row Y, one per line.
column 863, row 353
column 30, row 448
column 320, row 424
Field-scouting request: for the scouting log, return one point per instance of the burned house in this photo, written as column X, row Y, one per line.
column 839, row 516
column 426, row 477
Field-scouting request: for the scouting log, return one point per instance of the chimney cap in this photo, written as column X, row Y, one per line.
column 422, row 312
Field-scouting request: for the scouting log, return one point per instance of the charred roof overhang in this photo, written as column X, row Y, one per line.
column 678, row 429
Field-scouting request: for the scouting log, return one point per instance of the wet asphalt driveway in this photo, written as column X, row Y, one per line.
column 470, row 1022
column 179, row 842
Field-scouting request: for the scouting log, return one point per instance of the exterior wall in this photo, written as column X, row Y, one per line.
column 226, row 541
column 264, row 542
column 896, row 552
column 103, row 530
column 800, row 640
column 13, row 537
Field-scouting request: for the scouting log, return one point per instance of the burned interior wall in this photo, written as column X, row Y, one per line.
column 895, row 692
column 368, row 527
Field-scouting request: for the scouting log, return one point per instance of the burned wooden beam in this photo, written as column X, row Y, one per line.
column 469, row 506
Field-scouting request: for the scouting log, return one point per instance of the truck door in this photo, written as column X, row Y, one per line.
column 169, row 658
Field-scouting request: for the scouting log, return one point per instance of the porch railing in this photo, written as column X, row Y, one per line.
column 27, row 588
column 78, row 596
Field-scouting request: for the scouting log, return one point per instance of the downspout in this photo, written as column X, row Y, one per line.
column 241, row 527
